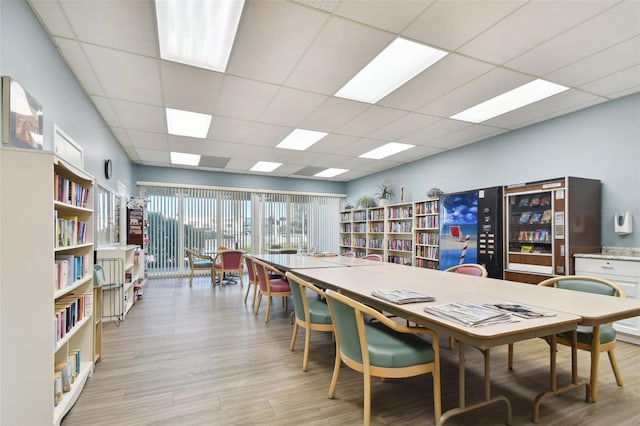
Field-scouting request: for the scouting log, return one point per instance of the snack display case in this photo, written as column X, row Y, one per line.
column 546, row 223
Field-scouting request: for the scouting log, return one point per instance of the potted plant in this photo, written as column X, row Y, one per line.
column 384, row 194
column 366, row 201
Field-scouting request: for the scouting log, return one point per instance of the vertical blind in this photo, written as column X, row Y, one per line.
column 209, row 219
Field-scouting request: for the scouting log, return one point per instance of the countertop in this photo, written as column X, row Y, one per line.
column 614, row 253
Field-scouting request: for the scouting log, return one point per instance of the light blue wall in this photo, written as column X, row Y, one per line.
column 601, row 142
column 195, row 177
column 28, row 56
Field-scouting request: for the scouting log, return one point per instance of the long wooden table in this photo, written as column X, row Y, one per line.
column 571, row 308
column 288, row 262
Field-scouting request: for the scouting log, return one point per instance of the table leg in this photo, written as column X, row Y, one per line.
column 462, row 407
column 553, row 346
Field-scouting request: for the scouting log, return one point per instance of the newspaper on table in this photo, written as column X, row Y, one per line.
column 469, row 314
column 402, row 296
column 522, row 311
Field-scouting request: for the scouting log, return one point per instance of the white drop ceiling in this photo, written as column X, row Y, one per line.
column 290, row 57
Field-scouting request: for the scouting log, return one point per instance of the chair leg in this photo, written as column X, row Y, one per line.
column 307, row 343
column 367, row 398
column 246, row 295
column 266, row 317
column 255, row 293
column 257, row 307
column 293, row 336
column 336, row 373
column 191, row 278
column 614, row 366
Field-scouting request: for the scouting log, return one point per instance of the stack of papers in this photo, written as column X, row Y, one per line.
column 469, row 314
column 402, row 296
column 521, row 311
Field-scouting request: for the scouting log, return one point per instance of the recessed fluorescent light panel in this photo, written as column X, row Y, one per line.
column 386, row 150
column 517, row 98
column 186, row 123
column 198, row 33
column 328, row 173
column 185, row 159
column 301, row 139
column 394, row 66
column 265, row 166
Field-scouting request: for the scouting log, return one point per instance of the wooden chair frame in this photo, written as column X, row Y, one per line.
column 249, row 261
column 264, row 287
column 595, row 348
column 194, row 257
column 369, row 370
column 303, row 319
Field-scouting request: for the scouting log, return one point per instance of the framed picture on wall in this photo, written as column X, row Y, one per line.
column 22, row 119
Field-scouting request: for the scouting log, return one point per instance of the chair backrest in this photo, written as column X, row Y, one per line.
column 299, row 292
column 231, row 259
column 469, row 269
column 348, row 321
column 375, row 257
column 262, row 273
column 98, row 275
column 348, row 254
column 585, row 284
column 189, row 256
column 251, row 268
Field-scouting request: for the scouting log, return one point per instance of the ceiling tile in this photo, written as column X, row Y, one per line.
column 438, row 80
column 405, row 125
column 370, row 120
column 126, row 76
column 213, row 162
column 72, row 52
column 450, row 24
column 486, row 86
column 52, row 17
column 190, row 88
column 290, row 107
column 264, row 134
column 343, row 42
column 544, row 109
column 332, row 143
column 148, row 140
column 122, row 136
column 271, row 38
column 140, row 117
column 534, row 23
column 426, row 136
column 615, row 83
column 582, row 41
column 94, row 22
column 465, row 136
column 154, row 156
column 244, row 99
column 332, row 114
column 309, row 171
column 106, row 111
column 390, row 15
column 601, row 64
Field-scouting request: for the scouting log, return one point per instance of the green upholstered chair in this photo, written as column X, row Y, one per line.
column 270, row 285
column 381, row 348
column 199, row 262
column 310, row 314
column 606, row 341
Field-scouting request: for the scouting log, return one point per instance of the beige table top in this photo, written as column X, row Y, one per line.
column 360, row 282
column 288, row 262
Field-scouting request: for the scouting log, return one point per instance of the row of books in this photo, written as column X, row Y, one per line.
column 376, row 214
column 428, row 207
column 68, row 311
column 400, row 260
column 359, row 216
column 539, row 235
column 346, row 241
column 376, row 227
column 360, row 227
column 68, row 269
column 402, row 245
column 400, row 227
column 431, row 252
column 427, row 222
column 535, row 217
column 427, row 263
column 376, row 243
column 404, row 212
column 430, row 238
column 360, row 242
column 69, row 192
column 65, row 375
column 69, row 231
column 345, row 217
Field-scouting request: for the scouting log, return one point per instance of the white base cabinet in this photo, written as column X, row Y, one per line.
column 625, row 273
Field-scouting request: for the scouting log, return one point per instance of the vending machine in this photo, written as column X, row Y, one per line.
column 471, row 229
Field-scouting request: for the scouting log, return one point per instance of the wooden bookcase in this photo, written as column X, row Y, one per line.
column 427, row 233
column 30, row 241
column 399, row 228
column 123, row 270
column 376, row 239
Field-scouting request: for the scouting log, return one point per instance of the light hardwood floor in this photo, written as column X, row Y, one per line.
column 199, row 356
